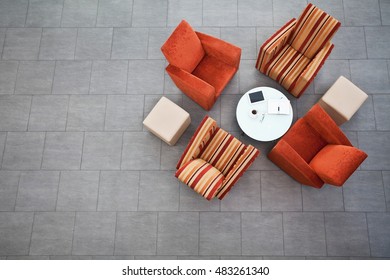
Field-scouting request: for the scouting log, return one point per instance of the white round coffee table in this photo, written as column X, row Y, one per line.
column 260, row 125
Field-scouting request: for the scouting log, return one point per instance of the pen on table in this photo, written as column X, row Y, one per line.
column 278, row 109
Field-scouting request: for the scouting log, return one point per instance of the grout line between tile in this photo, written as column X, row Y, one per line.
column 326, row 241
column 29, row 114
column 98, row 191
column 32, row 229
column 43, row 149
column 139, row 188
column 75, row 44
column 132, row 13
column 17, row 190
column 284, row 251
column 62, row 12
column 90, row 76
column 82, row 151
column 27, row 10
column 58, row 189
column 157, row 220
column 241, row 233
column 105, row 113
column 368, row 233
column 97, row 13
column 74, row 231
column 115, row 233
column 3, row 150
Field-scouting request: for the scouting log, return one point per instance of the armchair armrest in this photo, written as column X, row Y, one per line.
column 201, row 176
column 198, row 90
column 275, row 43
column 311, row 70
column 242, row 164
column 320, row 121
column 199, row 140
column 220, row 49
column 284, row 156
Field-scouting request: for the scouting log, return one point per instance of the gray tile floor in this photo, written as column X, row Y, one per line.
column 80, row 177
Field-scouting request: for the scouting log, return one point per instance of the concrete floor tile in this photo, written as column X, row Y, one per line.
column 220, row 233
column 94, row 233
column 52, row 233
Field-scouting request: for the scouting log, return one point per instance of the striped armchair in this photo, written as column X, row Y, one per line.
column 296, row 52
column 214, row 160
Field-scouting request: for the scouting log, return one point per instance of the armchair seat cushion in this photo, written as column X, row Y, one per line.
column 334, row 164
column 201, row 176
column 215, row 72
column 286, row 66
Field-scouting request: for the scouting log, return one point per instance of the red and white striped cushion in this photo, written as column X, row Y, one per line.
column 311, row 70
column 199, row 140
column 286, row 66
column 223, row 151
column 313, row 30
column 274, row 44
column 242, row 164
column 201, row 176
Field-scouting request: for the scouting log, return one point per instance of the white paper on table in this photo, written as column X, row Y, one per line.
column 279, row 106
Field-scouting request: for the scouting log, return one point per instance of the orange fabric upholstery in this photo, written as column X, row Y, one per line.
column 334, row 164
column 180, row 44
column 195, row 88
column 200, row 65
column 291, row 162
column 315, row 151
column 296, row 52
column 214, row 160
column 214, row 72
column 321, row 122
column 221, row 50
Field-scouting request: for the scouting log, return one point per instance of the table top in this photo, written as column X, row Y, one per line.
column 262, row 126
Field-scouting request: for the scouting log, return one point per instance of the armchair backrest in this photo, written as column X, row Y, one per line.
column 183, row 48
column 313, row 30
column 222, row 151
column 199, row 140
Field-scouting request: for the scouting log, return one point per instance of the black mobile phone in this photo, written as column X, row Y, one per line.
column 256, row 96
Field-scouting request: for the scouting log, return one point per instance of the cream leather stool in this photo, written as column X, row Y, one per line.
column 342, row 100
column 167, row 121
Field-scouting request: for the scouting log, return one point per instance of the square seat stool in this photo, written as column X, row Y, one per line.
column 167, row 121
column 342, row 100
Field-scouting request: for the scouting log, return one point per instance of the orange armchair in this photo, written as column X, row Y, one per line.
column 214, row 160
column 296, row 52
column 315, row 151
column 200, row 65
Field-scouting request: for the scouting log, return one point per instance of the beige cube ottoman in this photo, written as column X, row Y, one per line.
column 167, row 121
column 342, row 100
